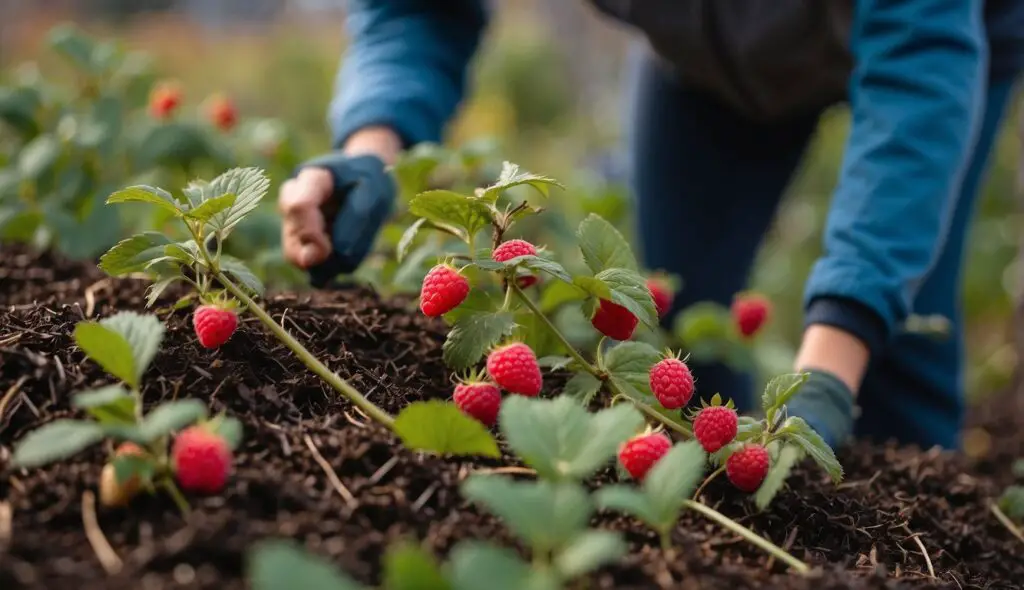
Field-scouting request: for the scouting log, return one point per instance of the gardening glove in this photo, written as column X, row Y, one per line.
column 334, row 222
column 826, row 404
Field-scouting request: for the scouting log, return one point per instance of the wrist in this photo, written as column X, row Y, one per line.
column 834, row 351
column 375, row 140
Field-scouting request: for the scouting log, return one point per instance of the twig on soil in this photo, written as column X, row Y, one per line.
column 510, row 470
column 6, row 516
column 707, row 480
column 346, row 495
column 9, row 395
column 917, row 539
column 790, row 538
column 1006, row 522
column 104, row 552
column 384, row 469
column 90, row 295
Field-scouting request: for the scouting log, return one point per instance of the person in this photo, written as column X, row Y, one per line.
column 724, row 104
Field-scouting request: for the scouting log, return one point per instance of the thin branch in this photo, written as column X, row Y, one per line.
column 762, row 543
column 101, row 547
column 924, row 552
column 587, row 366
column 1006, row 522
column 339, row 487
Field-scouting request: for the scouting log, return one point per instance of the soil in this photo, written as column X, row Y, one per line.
column 898, row 510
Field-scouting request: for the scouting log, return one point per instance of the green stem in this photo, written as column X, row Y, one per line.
column 554, row 330
column 508, row 293
column 307, row 358
column 175, row 494
column 762, row 543
column 704, row 484
column 680, row 429
column 600, row 352
column 1006, row 522
column 665, row 535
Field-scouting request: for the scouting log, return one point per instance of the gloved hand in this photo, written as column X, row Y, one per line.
column 331, row 222
column 826, row 404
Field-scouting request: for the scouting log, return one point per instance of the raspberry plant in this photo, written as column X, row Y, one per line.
column 209, row 212
column 124, row 345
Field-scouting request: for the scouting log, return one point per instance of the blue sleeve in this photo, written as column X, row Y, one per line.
column 406, row 66
column 916, row 97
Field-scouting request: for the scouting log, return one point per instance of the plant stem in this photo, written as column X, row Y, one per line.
column 704, row 484
column 587, row 366
column 665, row 535
column 762, row 543
column 651, row 412
column 175, row 494
column 307, row 358
column 1006, row 522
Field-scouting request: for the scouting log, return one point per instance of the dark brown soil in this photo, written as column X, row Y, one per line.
column 868, row 533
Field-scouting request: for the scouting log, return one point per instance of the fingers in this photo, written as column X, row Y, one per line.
column 304, row 233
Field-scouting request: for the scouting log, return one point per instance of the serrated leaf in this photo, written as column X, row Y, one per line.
column 632, row 362
column 133, row 254
column 237, row 270
column 249, row 184
column 467, row 215
column 108, row 349
column 629, row 290
column 147, row 194
column 543, row 265
column 555, row 363
column 473, row 335
column 210, row 207
column 129, row 466
column 38, row 157
column 673, row 479
column 112, row 403
column 440, row 427
column 797, row 431
column 143, row 332
column 231, row 430
column 543, row 514
column 281, row 565
column 170, row 417
column 477, row 565
column 156, row 289
column 789, row 456
column 781, row 389
column 408, row 236
column 57, row 440
column 408, row 567
column 560, row 439
column 582, row 387
column 588, row 552
column 511, row 176
column 628, row 500
column 603, row 246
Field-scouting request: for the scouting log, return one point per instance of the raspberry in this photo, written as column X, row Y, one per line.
column 750, row 312
column 214, row 325
column 747, row 467
column 672, row 383
column 513, row 249
column 614, row 321
column 714, row 427
column 201, row 460
column 662, row 294
column 164, row 100
column 479, row 400
column 526, row 281
column 638, row 454
column 222, row 113
column 444, row 289
column 514, row 367
column 112, row 492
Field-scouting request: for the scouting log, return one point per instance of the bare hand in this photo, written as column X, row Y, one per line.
column 304, row 232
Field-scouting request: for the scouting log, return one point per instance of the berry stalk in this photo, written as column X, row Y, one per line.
column 762, row 543
column 307, row 358
column 584, row 363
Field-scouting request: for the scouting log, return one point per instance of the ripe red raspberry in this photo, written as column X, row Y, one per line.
column 750, row 312
column 201, row 460
column 514, row 367
column 638, row 454
column 662, row 294
column 714, row 427
column 222, row 112
column 614, row 321
column 747, row 467
column 164, row 100
column 444, row 289
column 513, row 249
column 214, row 325
column 672, row 383
column 479, row 400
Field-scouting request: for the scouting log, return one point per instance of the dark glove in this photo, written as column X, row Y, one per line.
column 364, row 194
column 826, row 404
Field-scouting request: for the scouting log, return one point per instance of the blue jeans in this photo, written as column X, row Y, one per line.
column 708, row 183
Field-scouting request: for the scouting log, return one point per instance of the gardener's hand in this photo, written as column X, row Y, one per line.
column 826, row 404
column 334, row 206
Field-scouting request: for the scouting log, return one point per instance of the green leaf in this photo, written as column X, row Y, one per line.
column 440, row 427
column 176, row 144
column 511, row 176
column 237, row 270
column 704, row 321
column 628, row 500
column 250, row 184
column 555, row 363
column 38, row 157
column 588, row 552
column 560, row 439
column 464, row 215
column 556, row 294
column 108, row 349
column 408, row 567
column 156, row 289
column 544, row 265
column 788, row 457
column 795, row 430
column 68, row 41
column 673, row 479
column 231, row 430
column 57, row 440
column 133, row 254
column 408, row 236
column 543, row 514
column 171, row 417
column 147, row 194
column 143, row 332
column 129, row 466
column 112, row 403
column 281, row 565
column 629, row 290
column 18, row 108
column 477, row 565
column 413, row 169
column 207, row 209
column 472, row 336
column 603, row 246
column 632, row 362
column 582, row 387
column 781, row 389
column 1012, row 502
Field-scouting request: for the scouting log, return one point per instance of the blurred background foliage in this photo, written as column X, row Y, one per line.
column 547, row 94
